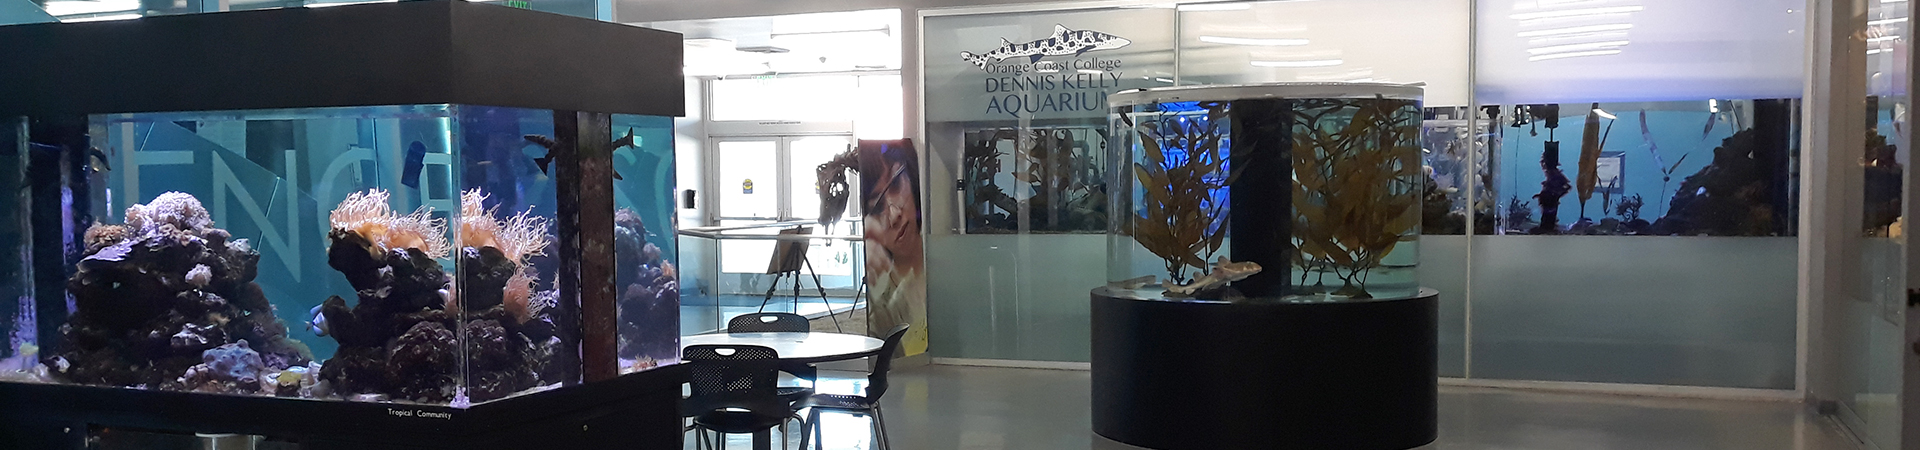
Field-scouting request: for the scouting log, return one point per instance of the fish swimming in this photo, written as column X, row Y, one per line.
column 1063, row 42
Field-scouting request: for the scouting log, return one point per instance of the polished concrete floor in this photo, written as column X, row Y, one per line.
column 952, row 407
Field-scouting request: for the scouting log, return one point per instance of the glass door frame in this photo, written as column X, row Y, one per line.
column 784, row 179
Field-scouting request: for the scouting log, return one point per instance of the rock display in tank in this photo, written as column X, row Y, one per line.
column 509, row 333
column 649, row 290
column 395, row 339
column 399, row 341
column 164, row 297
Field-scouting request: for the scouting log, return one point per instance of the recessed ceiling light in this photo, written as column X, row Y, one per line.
column 1305, row 63
column 1215, row 7
column 1573, row 55
column 1252, row 41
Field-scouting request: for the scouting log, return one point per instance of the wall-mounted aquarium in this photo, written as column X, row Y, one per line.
column 1296, row 191
column 1711, row 167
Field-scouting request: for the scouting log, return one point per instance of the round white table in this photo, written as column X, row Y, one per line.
column 806, row 348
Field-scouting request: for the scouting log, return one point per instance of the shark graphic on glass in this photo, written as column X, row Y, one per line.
column 1064, row 41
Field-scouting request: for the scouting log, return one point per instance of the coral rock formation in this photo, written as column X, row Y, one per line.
column 399, row 340
column 165, row 294
column 649, row 290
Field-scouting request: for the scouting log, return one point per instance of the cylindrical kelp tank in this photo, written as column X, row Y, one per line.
column 1261, row 266
column 1288, row 191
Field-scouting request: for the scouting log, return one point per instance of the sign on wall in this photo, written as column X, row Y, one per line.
column 1043, row 66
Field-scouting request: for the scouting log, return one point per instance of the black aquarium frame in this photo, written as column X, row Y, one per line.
column 413, row 52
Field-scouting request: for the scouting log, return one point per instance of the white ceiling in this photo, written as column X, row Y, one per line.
column 800, row 43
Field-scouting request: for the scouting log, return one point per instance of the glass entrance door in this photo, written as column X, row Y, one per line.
column 772, row 179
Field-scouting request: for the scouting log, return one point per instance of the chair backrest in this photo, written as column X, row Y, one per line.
column 769, row 322
column 734, row 376
column 877, row 380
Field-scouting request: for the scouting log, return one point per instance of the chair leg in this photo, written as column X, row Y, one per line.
column 881, row 424
column 807, row 427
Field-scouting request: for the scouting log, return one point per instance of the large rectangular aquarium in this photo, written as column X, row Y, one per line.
column 334, row 247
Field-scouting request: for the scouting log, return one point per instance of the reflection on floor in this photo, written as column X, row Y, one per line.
column 951, row 407
column 708, row 313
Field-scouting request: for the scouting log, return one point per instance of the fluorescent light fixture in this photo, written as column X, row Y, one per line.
column 1876, row 51
column 1047, row 71
column 1215, row 7
column 1306, row 63
column 1576, row 47
column 330, row 5
column 1883, row 38
column 883, row 31
column 1362, row 80
column 1578, row 30
column 1150, row 6
column 1577, row 12
column 1252, row 41
column 1887, row 21
column 71, row 8
column 103, row 18
column 1164, row 80
column 1603, row 113
column 1573, row 55
column 1091, row 71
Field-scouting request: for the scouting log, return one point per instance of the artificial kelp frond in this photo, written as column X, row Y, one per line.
column 1356, row 185
column 1589, row 175
column 1181, row 219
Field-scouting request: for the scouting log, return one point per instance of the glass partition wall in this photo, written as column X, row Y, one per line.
column 1614, row 190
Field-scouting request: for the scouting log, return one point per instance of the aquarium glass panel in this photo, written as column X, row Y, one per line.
column 1871, row 342
column 646, row 249
column 1711, row 167
column 1689, row 311
column 1038, row 180
column 1644, row 187
column 19, row 354
column 389, row 253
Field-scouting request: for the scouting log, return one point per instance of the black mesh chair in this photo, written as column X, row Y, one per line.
column 733, row 391
column 779, row 322
column 769, row 322
column 859, row 405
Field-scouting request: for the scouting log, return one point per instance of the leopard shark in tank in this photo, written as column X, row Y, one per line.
column 1064, row 41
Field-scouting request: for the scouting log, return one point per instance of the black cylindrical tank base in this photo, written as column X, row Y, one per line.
column 1351, row 375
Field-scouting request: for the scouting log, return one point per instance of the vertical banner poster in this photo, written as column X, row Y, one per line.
column 896, row 255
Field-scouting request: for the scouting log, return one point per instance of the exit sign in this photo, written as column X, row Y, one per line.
column 522, row 4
